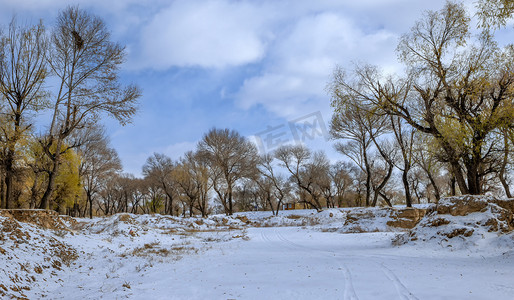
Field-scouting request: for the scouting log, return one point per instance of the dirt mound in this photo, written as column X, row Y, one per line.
column 406, row 218
column 373, row 219
column 464, row 221
column 29, row 256
column 462, row 205
column 47, row 219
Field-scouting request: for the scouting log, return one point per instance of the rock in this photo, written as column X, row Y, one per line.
column 502, row 209
column 358, row 214
column 462, row 205
column 507, row 204
column 467, row 232
column 438, row 222
column 468, row 217
column 406, row 218
column 505, row 219
column 243, row 219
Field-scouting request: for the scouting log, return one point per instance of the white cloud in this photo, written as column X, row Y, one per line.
column 211, row 34
column 301, row 62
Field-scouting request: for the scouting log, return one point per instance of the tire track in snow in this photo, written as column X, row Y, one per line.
column 265, row 237
column 288, row 242
column 402, row 290
column 349, row 291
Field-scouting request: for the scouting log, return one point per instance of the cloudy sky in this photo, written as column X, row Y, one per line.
column 260, row 67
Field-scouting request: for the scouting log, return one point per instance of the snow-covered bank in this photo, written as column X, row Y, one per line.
column 459, row 250
column 30, row 256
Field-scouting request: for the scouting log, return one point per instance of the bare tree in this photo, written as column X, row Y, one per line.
column 122, row 193
column 305, row 169
column 249, row 195
column 134, row 190
column 382, row 169
column 23, row 70
column 428, row 162
column 263, row 195
column 192, row 178
column 277, row 185
column 159, row 168
column 231, row 157
column 200, row 174
column 110, row 196
column 342, row 179
column 154, row 198
column 404, row 137
column 319, row 170
column 98, row 161
column 86, row 63
column 360, row 130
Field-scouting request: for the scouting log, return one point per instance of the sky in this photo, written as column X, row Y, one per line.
column 260, row 67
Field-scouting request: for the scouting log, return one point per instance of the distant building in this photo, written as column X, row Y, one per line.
column 290, row 206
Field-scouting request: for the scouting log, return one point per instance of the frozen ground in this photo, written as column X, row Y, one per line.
column 152, row 257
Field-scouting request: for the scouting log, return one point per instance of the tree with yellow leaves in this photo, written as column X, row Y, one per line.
column 23, row 70
column 68, row 187
column 458, row 88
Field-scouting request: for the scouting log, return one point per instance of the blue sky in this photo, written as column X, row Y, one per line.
column 252, row 66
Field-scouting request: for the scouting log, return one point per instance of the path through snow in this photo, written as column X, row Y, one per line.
column 298, row 263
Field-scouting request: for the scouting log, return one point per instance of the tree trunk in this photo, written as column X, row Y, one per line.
column 191, row 209
column 368, row 179
column 505, row 185
column 230, row 211
column 170, row 204
column 386, row 199
column 459, row 178
column 408, row 197
column 453, row 191
column 33, row 191
column 90, row 202
column 45, row 200
column 503, row 167
column 9, row 171
column 437, row 194
column 381, row 186
column 473, row 176
column 2, row 192
column 9, row 160
column 8, row 186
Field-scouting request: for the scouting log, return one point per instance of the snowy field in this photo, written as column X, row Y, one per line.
column 297, row 255
column 296, row 263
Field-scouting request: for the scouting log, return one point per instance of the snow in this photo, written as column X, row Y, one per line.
column 299, row 254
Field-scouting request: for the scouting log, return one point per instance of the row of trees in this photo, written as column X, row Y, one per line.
column 452, row 111
column 225, row 174
column 443, row 128
column 69, row 74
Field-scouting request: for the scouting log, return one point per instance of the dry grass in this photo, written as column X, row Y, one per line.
column 152, row 249
column 293, row 217
column 126, row 284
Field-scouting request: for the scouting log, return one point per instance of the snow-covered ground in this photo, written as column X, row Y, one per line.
column 253, row 255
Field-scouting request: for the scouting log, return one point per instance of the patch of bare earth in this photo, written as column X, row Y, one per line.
column 467, row 218
column 32, row 250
